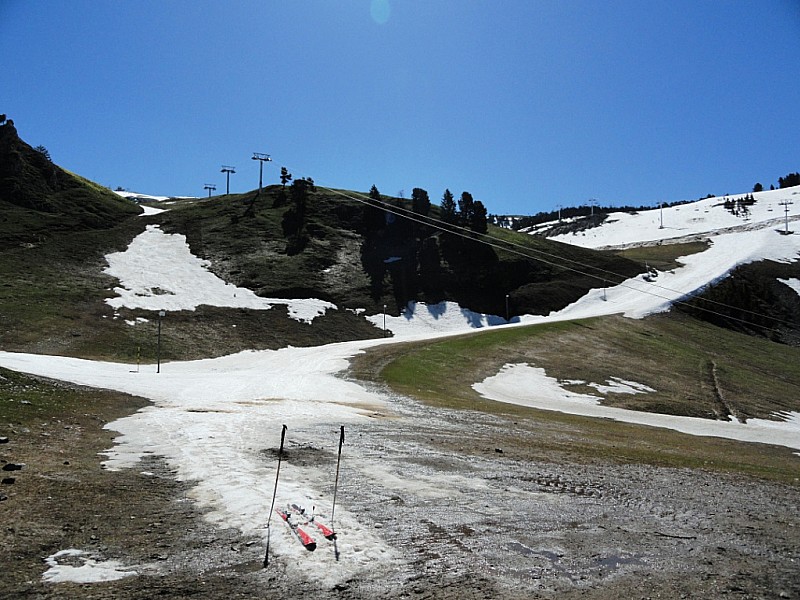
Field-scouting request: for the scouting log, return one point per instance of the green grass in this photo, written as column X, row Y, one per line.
column 29, row 401
column 671, row 354
column 662, row 256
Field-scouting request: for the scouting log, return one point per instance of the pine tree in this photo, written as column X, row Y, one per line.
column 420, row 202
column 448, row 208
column 791, row 180
column 466, row 208
column 286, row 177
column 478, row 221
column 373, row 219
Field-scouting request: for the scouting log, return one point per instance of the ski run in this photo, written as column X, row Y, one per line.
column 211, row 419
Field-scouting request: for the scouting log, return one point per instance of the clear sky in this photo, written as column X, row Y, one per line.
column 527, row 104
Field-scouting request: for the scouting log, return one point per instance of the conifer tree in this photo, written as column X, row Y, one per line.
column 478, row 222
column 448, row 208
column 420, row 202
column 466, row 208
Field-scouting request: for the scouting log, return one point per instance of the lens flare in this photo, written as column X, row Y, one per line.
column 380, row 11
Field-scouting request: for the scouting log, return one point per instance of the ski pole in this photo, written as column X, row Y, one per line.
column 336, row 484
column 274, row 493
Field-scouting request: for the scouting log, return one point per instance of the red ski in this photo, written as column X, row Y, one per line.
column 304, row 538
column 324, row 529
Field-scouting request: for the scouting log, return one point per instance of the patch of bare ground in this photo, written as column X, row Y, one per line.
column 472, row 503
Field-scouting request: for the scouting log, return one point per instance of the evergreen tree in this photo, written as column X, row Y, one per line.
column 294, row 219
column 448, row 208
column 374, row 193
column 758, row 188
column 373, row 213
column 286, row 177
column 44, row 152
column 478, row 221
column 466, row 209
column 791, row 180
column 420, row 202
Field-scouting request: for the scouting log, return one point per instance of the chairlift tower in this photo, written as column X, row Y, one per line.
column 210, row 187
column 261, row 158
column 592, row 202
column 228, row 170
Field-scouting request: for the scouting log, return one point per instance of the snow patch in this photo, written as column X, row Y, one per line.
column 792, row 283
column 75, row 566
column 530, row 386
column 615, row 385
column 159, row 272
column 421, row 318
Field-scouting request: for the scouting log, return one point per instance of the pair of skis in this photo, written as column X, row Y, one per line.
column 296, row 511
column 305, row 539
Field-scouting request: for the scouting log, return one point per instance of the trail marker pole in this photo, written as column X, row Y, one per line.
column 161, row 314
column 274, row 492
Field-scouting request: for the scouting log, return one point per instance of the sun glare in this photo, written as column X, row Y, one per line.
column 380, row 11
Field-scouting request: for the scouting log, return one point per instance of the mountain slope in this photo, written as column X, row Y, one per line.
column 744, row 287
column 55, row 229
column 356, row 262
column 37, row 197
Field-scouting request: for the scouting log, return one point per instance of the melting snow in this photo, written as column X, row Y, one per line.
column 615, row 385
column 792, row 283
column 74, row 566
column 211, row 419
column 159, row 272
column 530, row 386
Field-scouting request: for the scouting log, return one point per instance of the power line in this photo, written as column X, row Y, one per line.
column 503, row 245
column 552, row 259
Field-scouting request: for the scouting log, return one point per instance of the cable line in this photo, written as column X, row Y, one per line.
column 526, row 252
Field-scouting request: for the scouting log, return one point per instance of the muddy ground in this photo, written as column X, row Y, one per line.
column 521, row 525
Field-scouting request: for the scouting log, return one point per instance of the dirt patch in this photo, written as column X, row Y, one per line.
column 472, row 507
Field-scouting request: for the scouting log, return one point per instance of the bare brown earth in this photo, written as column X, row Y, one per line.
column 523, row 524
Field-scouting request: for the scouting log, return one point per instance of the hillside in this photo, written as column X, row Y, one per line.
column 38, row 198
column 748, row 283
column 348, row 259
column 583, row 456
column 57, row 229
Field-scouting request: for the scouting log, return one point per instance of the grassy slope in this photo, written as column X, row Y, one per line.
column 251, row 251
column 672, row 354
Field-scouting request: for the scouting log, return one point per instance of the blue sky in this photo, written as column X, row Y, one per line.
column 527, row 104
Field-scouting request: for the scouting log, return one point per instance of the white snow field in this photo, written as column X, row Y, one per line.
column 211, row 419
